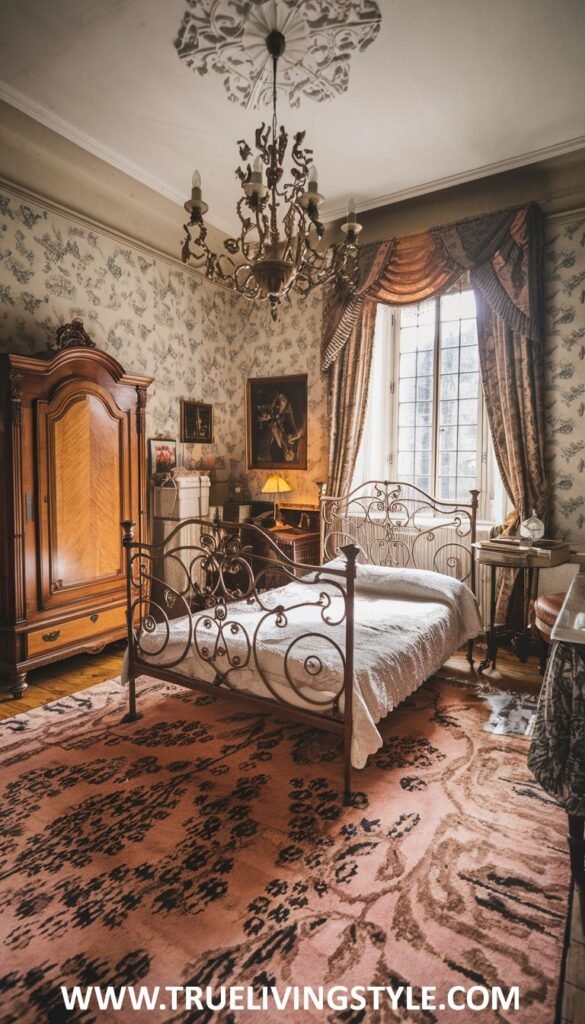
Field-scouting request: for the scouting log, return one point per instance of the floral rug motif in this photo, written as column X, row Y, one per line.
column 208, row 845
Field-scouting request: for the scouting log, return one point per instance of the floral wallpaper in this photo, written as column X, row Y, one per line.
column 157, row 318
column 565, row 370
column 200, row 341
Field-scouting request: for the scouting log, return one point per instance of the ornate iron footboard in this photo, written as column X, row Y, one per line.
column 181, row 600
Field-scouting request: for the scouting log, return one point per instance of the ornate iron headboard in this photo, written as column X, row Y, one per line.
column 398, row 524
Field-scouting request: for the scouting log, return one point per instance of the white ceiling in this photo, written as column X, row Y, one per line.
column 448, row 91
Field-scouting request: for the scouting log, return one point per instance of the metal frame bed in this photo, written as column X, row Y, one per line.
column 382, row 522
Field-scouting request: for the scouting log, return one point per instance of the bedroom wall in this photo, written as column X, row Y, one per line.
column 557, row 184
column 202, row 342
column 158, row 318
column 565, row 373
column 153, row 316
column 291, row 345
column 79, row 237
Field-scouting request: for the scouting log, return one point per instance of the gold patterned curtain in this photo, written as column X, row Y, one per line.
column 347, row 399
column 503, row 254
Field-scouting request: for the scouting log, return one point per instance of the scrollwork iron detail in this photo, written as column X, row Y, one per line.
column 397, row 524
column 229, row 619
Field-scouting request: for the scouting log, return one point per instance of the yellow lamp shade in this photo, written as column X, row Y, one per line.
column 276, row 484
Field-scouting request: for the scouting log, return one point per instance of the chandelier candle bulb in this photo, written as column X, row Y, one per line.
column 195, row 205
column 351, row 228
column 255, row 186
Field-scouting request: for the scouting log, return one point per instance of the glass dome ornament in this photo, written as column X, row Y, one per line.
column 532, row 528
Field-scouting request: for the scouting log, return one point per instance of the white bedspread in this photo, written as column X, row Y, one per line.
column 407, row 623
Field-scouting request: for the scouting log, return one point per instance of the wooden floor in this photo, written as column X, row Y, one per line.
column 64, row 677
column 83, row 671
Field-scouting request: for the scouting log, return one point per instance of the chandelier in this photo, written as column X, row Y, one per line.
column 277, row 249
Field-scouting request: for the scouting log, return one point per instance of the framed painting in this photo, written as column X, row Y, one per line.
column 276, row 415
column 162, row 454
column 196, row 422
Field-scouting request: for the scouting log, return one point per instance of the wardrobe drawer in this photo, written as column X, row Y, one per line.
column 65, row 633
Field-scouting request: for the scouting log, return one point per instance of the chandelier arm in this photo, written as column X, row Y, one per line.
column 245, row 220
column 249, row 287
column 232, row 265
column 262, row 228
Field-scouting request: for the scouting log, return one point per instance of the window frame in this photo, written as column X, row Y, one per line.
column 484, row 483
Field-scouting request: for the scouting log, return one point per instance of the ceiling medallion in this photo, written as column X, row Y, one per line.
column 276, row 249
column 228, row 37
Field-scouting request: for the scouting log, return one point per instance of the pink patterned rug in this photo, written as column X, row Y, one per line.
column 208, row 846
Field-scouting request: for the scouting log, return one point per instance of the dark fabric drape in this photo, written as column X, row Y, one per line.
column 503, row 254
column 340, row 314
column 347, row 398
column 508, row 291
column 512, row 370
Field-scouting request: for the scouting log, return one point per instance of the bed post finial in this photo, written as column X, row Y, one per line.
column 128, row 528
column 351, row 551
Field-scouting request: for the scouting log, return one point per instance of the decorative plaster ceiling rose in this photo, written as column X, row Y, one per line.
column 229, row 37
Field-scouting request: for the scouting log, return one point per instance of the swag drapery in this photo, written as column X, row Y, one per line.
column 503, row 254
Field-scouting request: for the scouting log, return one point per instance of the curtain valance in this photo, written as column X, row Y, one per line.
column 500, row 250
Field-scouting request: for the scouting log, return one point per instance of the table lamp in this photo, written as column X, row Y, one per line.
column 276, row 485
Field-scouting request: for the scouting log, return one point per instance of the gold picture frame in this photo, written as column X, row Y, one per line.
column 276, row 422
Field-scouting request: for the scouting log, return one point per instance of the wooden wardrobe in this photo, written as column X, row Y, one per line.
column 72, row 467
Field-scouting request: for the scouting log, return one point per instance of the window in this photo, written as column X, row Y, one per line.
column 426, row 422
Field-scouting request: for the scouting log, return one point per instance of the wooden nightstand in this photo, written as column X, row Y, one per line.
column 298, row 545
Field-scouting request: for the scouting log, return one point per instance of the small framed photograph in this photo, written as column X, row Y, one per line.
column 196, row 422
column 162, row 454
column 276, row 412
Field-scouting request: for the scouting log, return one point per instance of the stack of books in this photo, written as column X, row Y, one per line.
column 542, row 554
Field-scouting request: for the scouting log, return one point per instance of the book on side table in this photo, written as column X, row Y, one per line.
column 515, row 551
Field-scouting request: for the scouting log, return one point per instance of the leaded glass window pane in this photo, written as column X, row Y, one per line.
column 416, row 393
column 438, row 395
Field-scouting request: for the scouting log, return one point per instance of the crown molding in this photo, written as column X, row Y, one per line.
column 57, row 124
column 566, row 216
column 332, row 213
